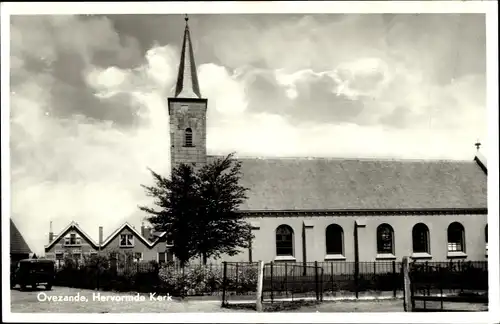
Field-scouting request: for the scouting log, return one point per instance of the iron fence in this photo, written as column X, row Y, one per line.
column 449, row 276
column 238, row 280
column 434, row 283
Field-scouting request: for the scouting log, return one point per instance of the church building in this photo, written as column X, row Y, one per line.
column 321, row 209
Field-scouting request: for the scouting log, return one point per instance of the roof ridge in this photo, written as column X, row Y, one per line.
column 334, row 158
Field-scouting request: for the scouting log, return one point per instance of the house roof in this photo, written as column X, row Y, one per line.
column 73, row 226
column 17, row 243
column 120, row 229
column 330, row 184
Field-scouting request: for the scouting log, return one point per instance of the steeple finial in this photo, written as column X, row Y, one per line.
column 478, row 144
column 187, row 79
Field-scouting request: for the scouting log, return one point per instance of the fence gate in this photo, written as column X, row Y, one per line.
column 239, row 281
column 448, row 286
column 286, row 280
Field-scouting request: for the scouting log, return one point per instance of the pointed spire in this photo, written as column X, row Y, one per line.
column 187, row 79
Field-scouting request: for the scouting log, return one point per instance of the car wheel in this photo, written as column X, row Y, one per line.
column 23, row 287
column 48, row 287
column 34, row 286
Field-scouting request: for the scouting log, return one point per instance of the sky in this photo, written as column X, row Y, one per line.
column 88, row 99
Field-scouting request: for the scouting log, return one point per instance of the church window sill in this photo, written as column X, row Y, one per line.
column 385, row 256
column 284, row 258
column 456, row 255
column 421, row 255
column 334, row 257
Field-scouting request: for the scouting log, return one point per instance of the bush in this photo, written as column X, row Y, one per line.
column 206, row 279
column 192, row 280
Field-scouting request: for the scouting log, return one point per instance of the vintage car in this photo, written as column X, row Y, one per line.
column 32, row 272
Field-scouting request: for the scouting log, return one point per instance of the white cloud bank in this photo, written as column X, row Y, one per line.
column 90, row 171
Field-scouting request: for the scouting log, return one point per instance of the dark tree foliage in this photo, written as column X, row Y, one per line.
column 222, row 230
column 198, row 210
column 176, row 213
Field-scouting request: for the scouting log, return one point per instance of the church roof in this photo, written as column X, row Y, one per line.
column 17, row 243
column 332, row 184
column 187, row 85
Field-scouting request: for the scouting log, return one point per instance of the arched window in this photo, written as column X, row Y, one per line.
column 486, row 237
column 284, row 241
column 334, row 239
column 385, row 239
column 456, row 237
column 420, row 238
column 188, row 137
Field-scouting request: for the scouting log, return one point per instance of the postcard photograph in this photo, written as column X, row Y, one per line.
column 249, row 164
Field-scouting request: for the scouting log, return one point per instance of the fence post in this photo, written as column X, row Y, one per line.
column 356, row 278
column 224, row 280
column 321, row 284
column 272, row 289
column 407, row 285
column 260, row 283
column 286, row 279
column 98, row 261
column 236, row 277
column 394, row 278
column 316, row 279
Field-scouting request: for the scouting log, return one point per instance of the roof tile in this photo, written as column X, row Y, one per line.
column 312, row 184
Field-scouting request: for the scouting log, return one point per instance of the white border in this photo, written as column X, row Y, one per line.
column 489, row 7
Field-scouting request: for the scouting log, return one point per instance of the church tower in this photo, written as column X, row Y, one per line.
column 188, row 112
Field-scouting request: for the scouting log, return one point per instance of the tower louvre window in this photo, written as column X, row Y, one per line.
column 188, row 137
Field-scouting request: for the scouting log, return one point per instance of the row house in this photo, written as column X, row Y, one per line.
column 146, row 245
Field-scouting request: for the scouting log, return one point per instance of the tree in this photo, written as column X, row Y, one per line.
column 176, row 199
column 199, row 210
column 221, row 229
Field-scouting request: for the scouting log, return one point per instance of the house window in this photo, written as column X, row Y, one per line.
column 456, row 237
column 188, row 137
column 59, row 255
column 137, row 256
column 126, row 240
column 77, row 256
column 420, row 238
column 284, row 241
column 385, row 239
column 170, row 256
column 161, row 257
column 72, row 239
column 334, row 239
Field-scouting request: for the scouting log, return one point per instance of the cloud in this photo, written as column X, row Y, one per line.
column 89, row 115
column 82, row 139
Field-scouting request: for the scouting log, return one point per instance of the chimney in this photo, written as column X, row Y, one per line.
column 100, row 235
column 51, row 234
column 143, row 231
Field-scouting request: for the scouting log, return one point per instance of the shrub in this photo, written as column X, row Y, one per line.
column 191, row 280
column 205, row 279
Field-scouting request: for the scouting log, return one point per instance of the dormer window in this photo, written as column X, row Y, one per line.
column 188, row 137
column 126, row 240
column 73, row 240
